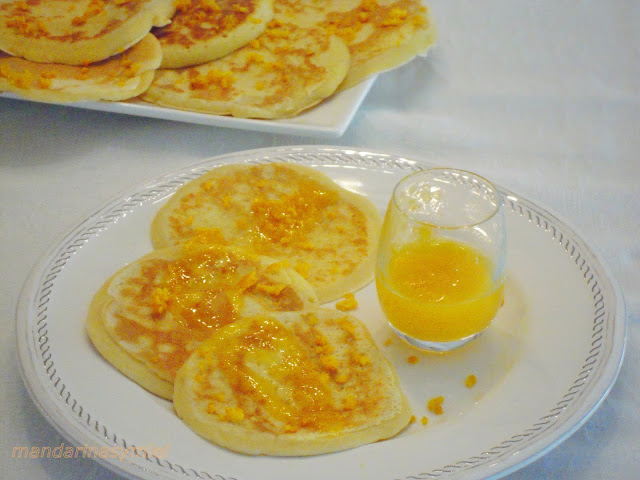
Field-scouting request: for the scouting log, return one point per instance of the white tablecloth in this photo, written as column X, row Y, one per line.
column 543, row 97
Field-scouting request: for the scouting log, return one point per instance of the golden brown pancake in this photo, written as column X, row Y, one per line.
column 77, row 32
column 299, row 383
column 283, row 211
column 380, row 34
column 286, row 70
column 149, row 317
column 119, row 77
column 203, row 30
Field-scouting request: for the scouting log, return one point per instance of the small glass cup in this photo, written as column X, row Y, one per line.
column 441, row 259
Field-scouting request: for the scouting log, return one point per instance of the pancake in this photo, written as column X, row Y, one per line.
column 203, row 30
column 380, row 34
column 286, row 70
column 119, row 77
column 77, row 32
column 298, row 383
column 283, row 211
column 149, row 317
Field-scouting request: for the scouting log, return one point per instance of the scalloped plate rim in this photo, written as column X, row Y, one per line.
column 56, row 416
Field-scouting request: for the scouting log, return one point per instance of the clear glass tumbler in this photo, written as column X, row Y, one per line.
column 441, row 259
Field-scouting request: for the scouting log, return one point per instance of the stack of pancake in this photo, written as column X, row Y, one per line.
column 70, row 50
column 245, row 58
column 225, row 317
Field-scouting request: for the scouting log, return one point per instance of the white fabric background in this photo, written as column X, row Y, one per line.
column 542, row 96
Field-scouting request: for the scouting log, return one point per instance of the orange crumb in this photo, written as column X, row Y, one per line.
column 302, row 268
column 329, row 363
column 160, row 299
column 412, row 359
column 349, row 303
column 435, row 405
column 277, row 266
column 342, row 378
column 311, row 319
column 232, row 414
column 424, row 420
column 271, row 289
column 470, row 381
column 362, row 360
column 350, row 402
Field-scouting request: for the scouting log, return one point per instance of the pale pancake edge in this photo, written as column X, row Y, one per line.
column 104, row 343
column 120, row 77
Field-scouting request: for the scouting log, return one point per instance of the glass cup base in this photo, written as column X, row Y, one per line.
column 437, row 347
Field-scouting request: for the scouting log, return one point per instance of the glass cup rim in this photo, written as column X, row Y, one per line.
column 411, row 217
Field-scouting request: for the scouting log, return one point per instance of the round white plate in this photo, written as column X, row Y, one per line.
column 549, row 359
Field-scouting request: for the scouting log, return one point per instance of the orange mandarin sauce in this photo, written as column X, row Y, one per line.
column 198, row 297
column 201, row 291
column 292, row 388
column 438, row 290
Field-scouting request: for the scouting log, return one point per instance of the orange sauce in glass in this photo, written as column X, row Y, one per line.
column 438, row 290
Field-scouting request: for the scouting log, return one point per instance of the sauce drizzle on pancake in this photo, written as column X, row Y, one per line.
column 291, row 383
column 307, row 401
column 280, row 212
column 284, row 379
column 172, row 305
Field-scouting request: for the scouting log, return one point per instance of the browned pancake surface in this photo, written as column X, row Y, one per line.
column 77, row 32
column 203, row 30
